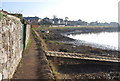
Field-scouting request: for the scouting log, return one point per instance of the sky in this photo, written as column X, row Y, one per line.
column 87, row 10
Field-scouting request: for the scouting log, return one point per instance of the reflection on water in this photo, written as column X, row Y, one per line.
column 105, row 39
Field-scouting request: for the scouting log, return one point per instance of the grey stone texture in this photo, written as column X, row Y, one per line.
column 10, row 45
column 28, row 29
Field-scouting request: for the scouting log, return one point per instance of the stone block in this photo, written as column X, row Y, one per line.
column 0, row 76
column 5, row 74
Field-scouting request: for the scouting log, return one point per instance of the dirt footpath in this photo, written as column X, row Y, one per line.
column 34, row 64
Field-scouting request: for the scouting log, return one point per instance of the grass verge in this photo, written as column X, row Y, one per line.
column 39, row 37
column 28, row 44
column 67, row 27
column 52, row 65
column 2, row 15
column 57, row 42
column 54, row 70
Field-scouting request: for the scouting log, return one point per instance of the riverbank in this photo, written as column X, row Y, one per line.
column 53, row 40
column 72, row 71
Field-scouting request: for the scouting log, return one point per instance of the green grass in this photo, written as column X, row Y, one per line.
column 36, row 35
column 43, row 27
column 2, row 15
column 54, row 70
column 57, row 42
column 44, row 44
column 29, row 43
column 66, row 27
column 40, row 28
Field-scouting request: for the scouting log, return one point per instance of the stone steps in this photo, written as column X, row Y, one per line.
column 82, row 56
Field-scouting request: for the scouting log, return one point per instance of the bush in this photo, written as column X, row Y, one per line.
column 63, row 50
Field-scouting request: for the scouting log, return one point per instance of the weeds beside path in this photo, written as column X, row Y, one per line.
column 34, row 64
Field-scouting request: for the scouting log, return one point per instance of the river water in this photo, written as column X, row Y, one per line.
column 104, row 40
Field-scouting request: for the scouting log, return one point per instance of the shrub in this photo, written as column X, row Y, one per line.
column 63, row 50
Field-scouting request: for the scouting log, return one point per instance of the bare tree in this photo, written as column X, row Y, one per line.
column 54, row 16
column 66, row 19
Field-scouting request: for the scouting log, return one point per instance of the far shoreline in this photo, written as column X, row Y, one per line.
column 84, row 29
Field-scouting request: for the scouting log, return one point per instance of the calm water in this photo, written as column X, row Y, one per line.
column 104, row 40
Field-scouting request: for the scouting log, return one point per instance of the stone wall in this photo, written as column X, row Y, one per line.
column 28, row 29
column 10, row 45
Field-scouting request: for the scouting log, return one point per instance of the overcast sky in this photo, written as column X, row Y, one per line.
column 88, row 10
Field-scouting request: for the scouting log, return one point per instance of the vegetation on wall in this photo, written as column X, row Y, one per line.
column 2, row 15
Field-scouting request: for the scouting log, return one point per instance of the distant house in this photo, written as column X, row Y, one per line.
column 46, row 18
column 33, row 20
column 93, row 23
column 114, row 24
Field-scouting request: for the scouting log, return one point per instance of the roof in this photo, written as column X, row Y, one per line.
column 31, row 18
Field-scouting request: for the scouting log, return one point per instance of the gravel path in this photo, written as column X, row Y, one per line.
column 34, row 64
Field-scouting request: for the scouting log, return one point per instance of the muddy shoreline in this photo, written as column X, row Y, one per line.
column 65, row 71
column 54, row 38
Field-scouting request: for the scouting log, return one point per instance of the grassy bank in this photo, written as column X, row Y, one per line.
column 29, row 43
column 69, row 27
column 52, row 65
column 39, row 37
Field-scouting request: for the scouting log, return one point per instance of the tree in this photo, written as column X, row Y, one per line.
column 66, row 19
column 79, row 20
column 54, row 16
column 55, row 19
column 45, row 22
